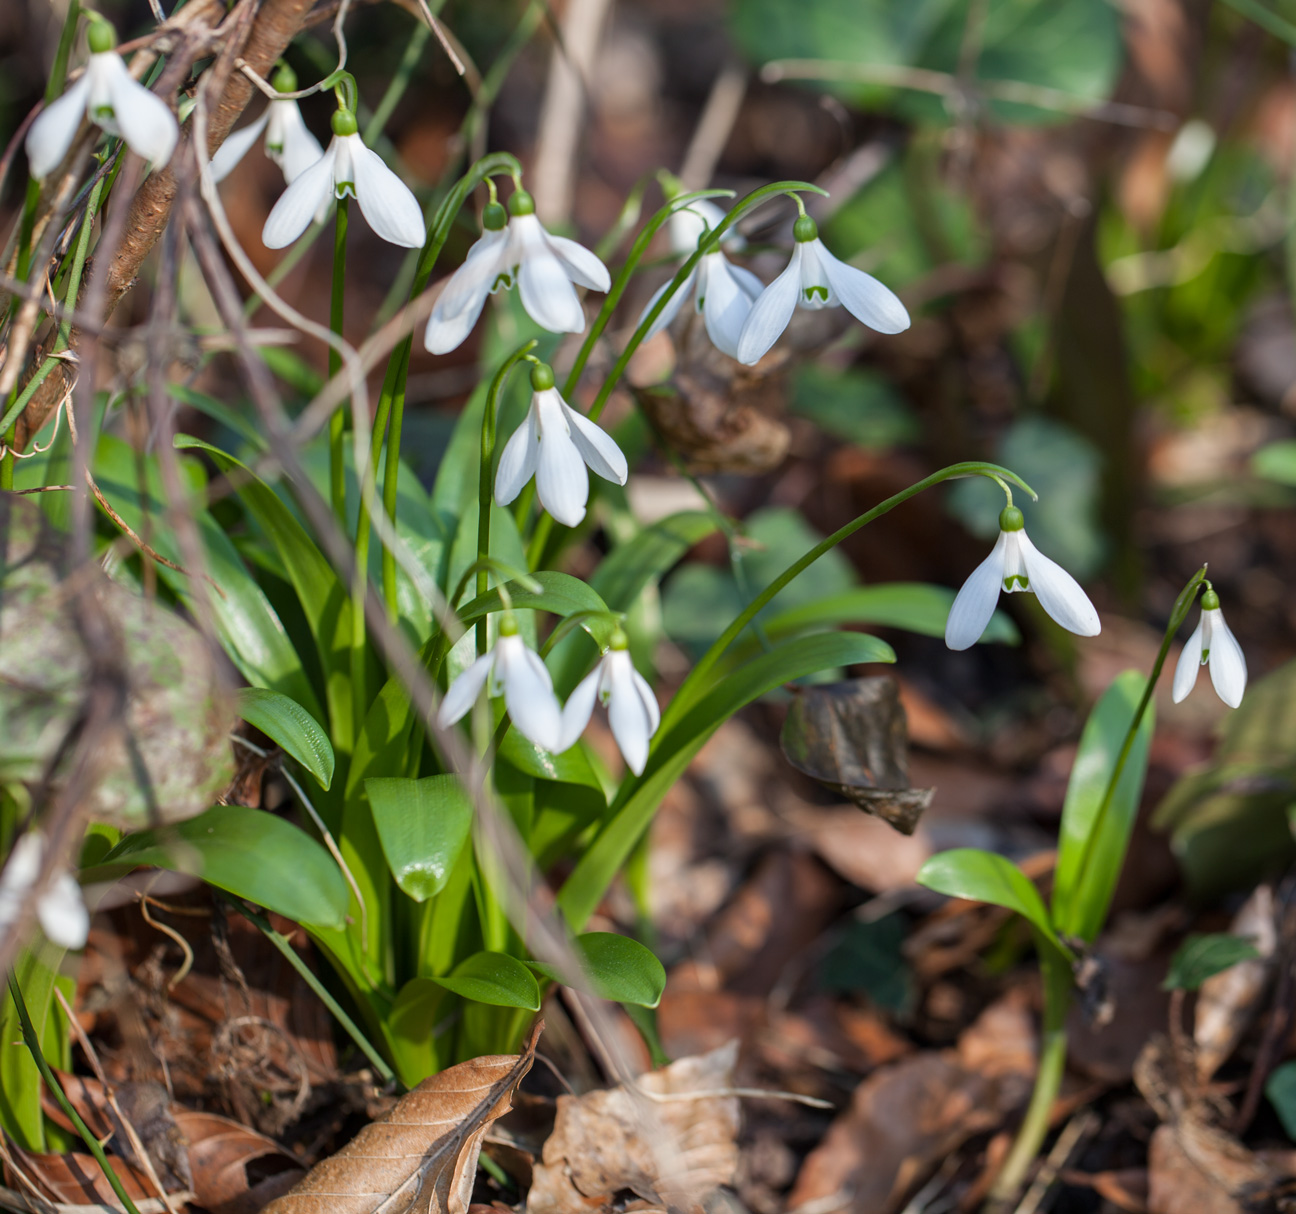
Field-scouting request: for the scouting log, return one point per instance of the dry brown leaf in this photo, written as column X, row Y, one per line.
column 423, row 1155
column 671, row 1153
column 235, row 1170
column 73, row 1179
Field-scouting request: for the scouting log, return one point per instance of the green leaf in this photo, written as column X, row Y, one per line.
column 291, row 728
column 411, row 1022
column 1280, row 1088
column 1203, row 956
column 1276, row 462
column 36, row 970
column 247, row 852
column 1081, row 899
column 857, row 405
column 619, row 969
column 559, row 593
column 494, row 978
column 629, row 567
column 984, row 876
column 423, row 825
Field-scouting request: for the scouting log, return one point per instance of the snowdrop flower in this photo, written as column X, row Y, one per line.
column 288, row 142
column 59, row 909
column 512, row 670
column 632, row 708
column 723, row 293
column 347, row 168
column 112, row 99
column 554, row 444
column 816, row 279
column 1212, row 644
column 1016, row 564
column 545, row 268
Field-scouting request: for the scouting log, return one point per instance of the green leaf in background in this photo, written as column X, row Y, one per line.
column 1203, row 956
column 1081, row 899
column 494, row 978
column 1280, row 1088
column 858, row 406
column 290, row 727
column 423, row 825
column 620, row 969
column 249, row 853
column 559, row 593
column 36, row 971
column 984, row 876
column 1276, row 462
column 869, row 959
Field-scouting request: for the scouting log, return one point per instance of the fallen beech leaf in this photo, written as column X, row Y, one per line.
column 671, row 1153
column 74, row 1179
column 423, row 1155
column 235, row 1170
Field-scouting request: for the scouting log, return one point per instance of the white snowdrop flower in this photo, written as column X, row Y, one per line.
column 723, row 293
column 816, row 279
column 545, row 268
column 1016, row 564
column 112, row 99
column 631, row 706
column 288, row 141
column 347, row 168
column 512, row 670
column 1212, row 644
column 554, row 444
column 60, row 909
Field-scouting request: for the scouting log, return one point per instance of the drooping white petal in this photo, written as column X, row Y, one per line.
column 649, row 700
column 583, row 267
column 463, row 692
column 770, row 313
column 443, row 334
column 62, row 914
column 1227, row 664
column 1185, row 677
column 596, row 446
column 862, row 295
column 300, row 202
column 627, row 713
column 1058, row 592
column 289, row 142
column 816, row 291
column 975, row 602
column 546, row 290
column 50, row 136
column 562, row 484
column 518, row 459
column 144, row 120
column 672, row 308
column 237, row 145
column 726, row 305
column 748, row 283
column 386, row 202
column 528, row 693
column 468, row 287
column 579, row 708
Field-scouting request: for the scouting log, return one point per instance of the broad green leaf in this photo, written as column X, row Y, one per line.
column 984, row 876
column 411, row 1024
column 219, row 411
column 247, row 852
column 559, row 593
column 1081, row 898
column 1280, row 1088
column 1203, row 956
column 570, row 767
column 36, row 969
column 673, row 749
column 423, row 825
column 619, row 969
column 291, row 728
column 494, row 978
column 857, row 405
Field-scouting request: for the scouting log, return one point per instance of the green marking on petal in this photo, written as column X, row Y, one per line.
column 811, row 292
column 344, row 189
column 103, row 113
column 1023, row 582
column 1205, row 656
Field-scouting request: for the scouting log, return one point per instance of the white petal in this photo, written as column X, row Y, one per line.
column 1227, row 664
column 1185, row 677
column 582, row 266
column 237, row 145
column 562, row 484
column 528, row 693
column 468, row 287
column 673, row 305
column 444, row 334
column 518, row 460
column 748, row 283
column 1058, row 592
column 596, row 446
column 862, row 295
column 770, row 314
column 726, row 306
column 62, row 913
column 55, row 128
column 547, row 293
column 298, row 204
column 146, row 122
column 463, row 692
column 23, row 865
column 385, row 200
column 975, row 602
column 650, row 701
column 627, row 713
column 578, row 709
column 300, row 148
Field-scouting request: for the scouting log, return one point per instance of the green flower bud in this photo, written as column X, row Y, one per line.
column 542, row 377
column 101, row 36
column 1010, row 519
column 344, row 122
column 805, row 229
column 521, row 203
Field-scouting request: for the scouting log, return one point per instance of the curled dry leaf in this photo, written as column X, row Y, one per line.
column 235, row 1170
column 672, row 1152
column 74, row 1179
column 423, row 1155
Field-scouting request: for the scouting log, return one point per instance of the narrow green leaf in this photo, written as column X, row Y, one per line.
column 290, row 727
column 984, row 876
column 494, row 978
column 1203, row 956
column 619, row 969
column 423, row 825
column 560, row 593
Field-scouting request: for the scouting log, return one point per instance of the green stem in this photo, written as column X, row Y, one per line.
column 91, row 1142
column 337, row 423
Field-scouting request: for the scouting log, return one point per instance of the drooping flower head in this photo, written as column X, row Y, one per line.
column 631, row 706
column 347, row 168
column 464, row 295
column 1015, row 564
column 60, row 910
column 555, row 443
column 112, row 99
column 1212, row 644
column 288, row 141
column 816, row 279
